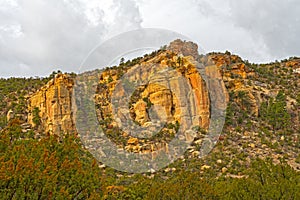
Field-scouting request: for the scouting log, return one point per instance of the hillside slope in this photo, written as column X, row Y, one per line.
column 256, row 157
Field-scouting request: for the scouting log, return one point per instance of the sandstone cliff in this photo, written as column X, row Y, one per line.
column 157, row 89
column 248, row 86
column 233, row 71
column 157, row 94
column 227, row 72
column 54, row 103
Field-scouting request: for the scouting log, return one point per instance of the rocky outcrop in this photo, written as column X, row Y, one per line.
column 184, row 48
column 233, row 71
column 180, row 59
column 53, row 103
column 294, row 65
column 171, row 84
column 10, row 115
column 156, row 92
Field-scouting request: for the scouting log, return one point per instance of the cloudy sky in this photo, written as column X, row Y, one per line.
column 40, row 36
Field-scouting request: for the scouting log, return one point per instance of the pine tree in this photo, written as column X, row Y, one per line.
column 277, row 113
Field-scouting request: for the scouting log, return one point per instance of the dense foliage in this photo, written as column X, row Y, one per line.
column 46, row 168
column 50, row 168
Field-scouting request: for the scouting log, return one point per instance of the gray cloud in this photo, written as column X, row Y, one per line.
column 37, row 37
column 206, row 22
column 260, row 31
column 275, row 22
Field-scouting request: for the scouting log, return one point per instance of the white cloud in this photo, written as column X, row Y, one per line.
column 51, row 35
column 275, row 22
column 260, row 31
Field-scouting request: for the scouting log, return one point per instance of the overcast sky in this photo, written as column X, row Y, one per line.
column 40, row 36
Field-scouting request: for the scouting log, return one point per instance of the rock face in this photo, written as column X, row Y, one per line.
column 185, row 48
column 156, row 92
column 170, row 84
column 54, row 102
column 179, row 61
column 10, row 115
column 232, row 70
column 218, row 88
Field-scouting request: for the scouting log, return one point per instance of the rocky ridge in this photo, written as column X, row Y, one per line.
column 248, row 86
